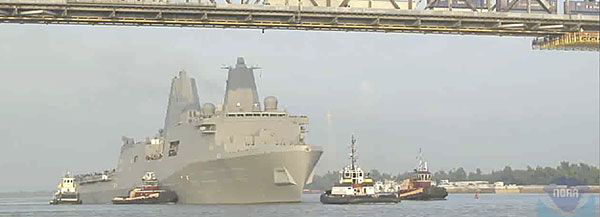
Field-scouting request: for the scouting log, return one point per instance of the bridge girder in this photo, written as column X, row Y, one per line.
column 299, row 18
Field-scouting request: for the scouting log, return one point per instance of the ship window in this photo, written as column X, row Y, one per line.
column 173, row 148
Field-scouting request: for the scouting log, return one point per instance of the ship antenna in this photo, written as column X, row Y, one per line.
column 353, row 153
column 422, row 164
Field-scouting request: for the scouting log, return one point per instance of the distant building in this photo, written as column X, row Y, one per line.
column 446, row 183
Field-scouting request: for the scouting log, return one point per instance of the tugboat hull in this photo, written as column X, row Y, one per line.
column 430, row 193
column 62, row 202
column 148, row 193
column 164, row 197
column 351, row 199
column 66, row 198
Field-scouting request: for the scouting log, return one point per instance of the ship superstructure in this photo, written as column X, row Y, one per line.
column 353, row 180
column 240, row 152
column 422, row 176
column 421, row 186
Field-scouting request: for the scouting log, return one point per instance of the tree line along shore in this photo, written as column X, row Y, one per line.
column 506, row 180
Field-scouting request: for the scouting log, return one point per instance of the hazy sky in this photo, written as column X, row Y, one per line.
column 68, row 94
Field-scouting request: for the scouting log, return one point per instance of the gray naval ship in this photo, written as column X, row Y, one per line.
column 240, row 153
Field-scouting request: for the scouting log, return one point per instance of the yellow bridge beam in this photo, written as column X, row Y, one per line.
column 580, row 41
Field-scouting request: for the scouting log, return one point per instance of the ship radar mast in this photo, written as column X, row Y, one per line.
column 422, row 167
column 353, row 153
column 240, row 91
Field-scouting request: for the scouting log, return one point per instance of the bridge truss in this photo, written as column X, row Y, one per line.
column 248, row 16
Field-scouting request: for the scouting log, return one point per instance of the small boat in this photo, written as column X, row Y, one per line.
column 149, row 193
column 355, row 186
column 419, row 187
column 68, row 192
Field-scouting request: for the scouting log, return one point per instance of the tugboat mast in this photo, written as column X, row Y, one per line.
column 355, row 185
column 422, row 166
column 353, row 153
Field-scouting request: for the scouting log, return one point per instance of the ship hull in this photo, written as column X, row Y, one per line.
column 236, row 180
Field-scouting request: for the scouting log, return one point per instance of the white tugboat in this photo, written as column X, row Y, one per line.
column 355, row 186
column 68, row 191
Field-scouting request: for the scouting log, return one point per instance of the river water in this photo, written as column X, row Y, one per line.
column 456, row 205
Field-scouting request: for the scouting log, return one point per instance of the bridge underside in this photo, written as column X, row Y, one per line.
column 300, row 18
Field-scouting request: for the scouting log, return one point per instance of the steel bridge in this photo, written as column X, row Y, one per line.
column 249, row 16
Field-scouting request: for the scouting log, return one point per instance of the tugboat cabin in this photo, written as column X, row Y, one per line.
column 353, row 182
column 67, row 185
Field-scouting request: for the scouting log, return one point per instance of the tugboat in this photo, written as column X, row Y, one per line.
column 355, row 186
column 68, row 191
column 148, row 193
column 419, row 187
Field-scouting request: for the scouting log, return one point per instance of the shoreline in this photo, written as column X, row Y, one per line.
column 524, row 189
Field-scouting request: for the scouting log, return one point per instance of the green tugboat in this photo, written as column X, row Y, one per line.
column 355, row 186
column 419, row 187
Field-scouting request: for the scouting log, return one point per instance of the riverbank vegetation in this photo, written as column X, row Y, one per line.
column 564, row 174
